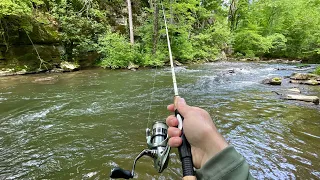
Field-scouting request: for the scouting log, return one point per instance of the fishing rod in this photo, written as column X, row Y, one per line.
column 157, row 140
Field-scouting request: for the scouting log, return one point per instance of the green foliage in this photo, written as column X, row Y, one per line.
column 116, row 51
column 251, row 44
column 278, row 45
column 209, row 43
column 15, row 8
column 79, row 31
column 292, row 26
column 198, row 29
column 317, row 71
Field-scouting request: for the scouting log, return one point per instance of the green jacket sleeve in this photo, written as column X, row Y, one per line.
column 228, row 164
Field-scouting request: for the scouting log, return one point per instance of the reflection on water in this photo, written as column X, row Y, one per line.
column 80, row 125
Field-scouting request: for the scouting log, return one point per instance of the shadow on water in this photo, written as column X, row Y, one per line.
column 80, row 125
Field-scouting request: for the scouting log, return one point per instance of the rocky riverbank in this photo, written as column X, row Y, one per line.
column 295, row 93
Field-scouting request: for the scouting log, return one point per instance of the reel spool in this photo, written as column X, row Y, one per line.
column 158, row 150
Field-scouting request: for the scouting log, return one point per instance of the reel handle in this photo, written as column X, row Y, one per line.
column 185, row 152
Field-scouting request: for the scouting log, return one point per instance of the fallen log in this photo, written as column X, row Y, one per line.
column 300, row 97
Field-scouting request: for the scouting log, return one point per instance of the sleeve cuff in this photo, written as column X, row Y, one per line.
column 224, row 165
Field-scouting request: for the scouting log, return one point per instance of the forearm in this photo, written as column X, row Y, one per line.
column 228, row 164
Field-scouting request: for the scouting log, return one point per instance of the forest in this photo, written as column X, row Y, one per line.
column 97, row 32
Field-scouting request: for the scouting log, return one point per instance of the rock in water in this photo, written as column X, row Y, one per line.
column 307, row 82
column 299, row 97
column 294, row 90
column 44, row 79
column 303, row 76
column 272, row 81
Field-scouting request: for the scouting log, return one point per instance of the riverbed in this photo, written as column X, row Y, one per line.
column 79, row 125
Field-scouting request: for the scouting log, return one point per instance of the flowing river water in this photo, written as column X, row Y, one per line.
column 80, row 125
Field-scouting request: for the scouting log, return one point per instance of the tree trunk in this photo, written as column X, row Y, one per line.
column 232, row 14
column 171, row 12
column 130, row 22
column 155, row 27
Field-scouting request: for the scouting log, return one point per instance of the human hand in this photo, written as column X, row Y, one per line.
column 199, row 129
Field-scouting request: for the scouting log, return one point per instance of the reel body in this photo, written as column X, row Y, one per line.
column 158, row 150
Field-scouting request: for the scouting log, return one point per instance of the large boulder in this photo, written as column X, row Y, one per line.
column 303, row 76
column 19, row 57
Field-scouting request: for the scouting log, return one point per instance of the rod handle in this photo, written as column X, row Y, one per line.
column 185, row 151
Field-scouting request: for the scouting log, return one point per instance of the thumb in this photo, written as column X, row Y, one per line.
column 182, row 106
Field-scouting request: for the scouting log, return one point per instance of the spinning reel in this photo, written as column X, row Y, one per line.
column 158, row 150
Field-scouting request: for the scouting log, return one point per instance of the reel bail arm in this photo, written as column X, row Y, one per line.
column 158, row 150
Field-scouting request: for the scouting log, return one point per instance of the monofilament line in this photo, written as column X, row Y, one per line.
column 151, row 98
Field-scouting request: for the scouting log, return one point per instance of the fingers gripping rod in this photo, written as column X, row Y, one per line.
column 185, row 148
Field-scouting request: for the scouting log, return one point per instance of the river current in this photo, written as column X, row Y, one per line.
column 80, row 125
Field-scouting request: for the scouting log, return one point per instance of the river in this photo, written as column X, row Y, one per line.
column 79, row 125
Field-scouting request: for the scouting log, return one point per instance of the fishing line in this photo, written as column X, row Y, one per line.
column 151, row 98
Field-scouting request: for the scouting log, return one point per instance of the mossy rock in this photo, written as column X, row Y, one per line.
column 303, row 76
column 273, row 81
column 21, row 56
column 276, row 81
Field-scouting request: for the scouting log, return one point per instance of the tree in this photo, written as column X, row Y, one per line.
column 130, row 22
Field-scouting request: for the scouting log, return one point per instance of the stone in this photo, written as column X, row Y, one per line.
column 44, row 79
column 306, row 82
column 56, row 70
column 272, row 81
column 132, row 66
column 303, row 76
column 22, row 72
column 294, row 90
column 69, row 66
column 177, row 63
column 299, row 97
column 25, row 55
column 231, row 71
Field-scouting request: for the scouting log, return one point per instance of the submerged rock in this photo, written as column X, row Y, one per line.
column 44, row 79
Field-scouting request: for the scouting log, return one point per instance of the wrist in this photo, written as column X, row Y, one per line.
column 214, row 145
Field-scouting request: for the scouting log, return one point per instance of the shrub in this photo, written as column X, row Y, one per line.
column 116, row 51
column 278, row 42
column 317, row 71
column 250, row 43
